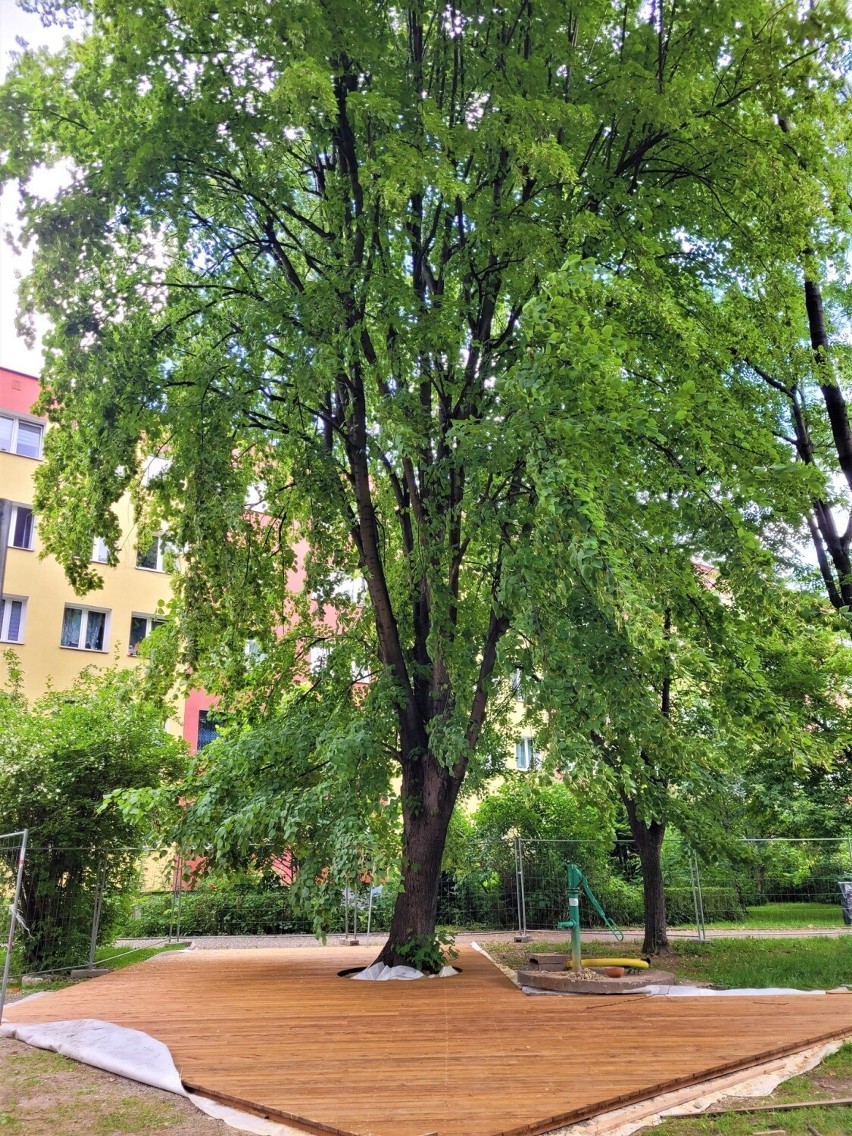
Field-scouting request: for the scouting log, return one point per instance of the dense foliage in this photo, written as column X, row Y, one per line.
column 59, row 758
column 441, row 288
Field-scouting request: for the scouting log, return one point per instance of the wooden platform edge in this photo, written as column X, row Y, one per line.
column 312, row 1127
column 576, row 1116
column 559, row 1120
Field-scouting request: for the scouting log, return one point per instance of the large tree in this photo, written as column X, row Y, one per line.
column 304, row 247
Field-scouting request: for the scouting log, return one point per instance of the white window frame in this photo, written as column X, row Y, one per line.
column 163, row 549
column 6, row 617
column 84, row 627
column 154, row 467
column 526, row 755
column 17, row 422
column 318, row 657
column 12, row 524
column 151, row 621
column 100, row 551
column 351, row 588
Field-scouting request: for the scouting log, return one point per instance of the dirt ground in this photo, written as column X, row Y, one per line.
column 43, row 1094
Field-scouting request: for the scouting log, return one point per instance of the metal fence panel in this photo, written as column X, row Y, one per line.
column 611, row 868
column 13, row 852
column 71, row 901
column 795, row 878
column 482, row 894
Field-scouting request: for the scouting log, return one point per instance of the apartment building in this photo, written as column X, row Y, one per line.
column 54, row 633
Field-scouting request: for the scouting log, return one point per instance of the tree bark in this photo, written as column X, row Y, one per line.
column 649, row 843
column 429, row 794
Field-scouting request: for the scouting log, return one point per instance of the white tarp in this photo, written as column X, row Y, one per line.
column 663, row 991
column 378, row 972
column 136, row 1055
column 760, row 1081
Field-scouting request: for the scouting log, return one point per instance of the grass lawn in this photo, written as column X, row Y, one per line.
column 790, row 916
column 808, row 964
column 117, row 958
column 43, row 1094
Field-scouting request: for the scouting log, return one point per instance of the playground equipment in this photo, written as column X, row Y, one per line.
column 577, row 882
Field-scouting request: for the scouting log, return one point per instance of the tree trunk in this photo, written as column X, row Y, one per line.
column 429, row 794
column 649, row 842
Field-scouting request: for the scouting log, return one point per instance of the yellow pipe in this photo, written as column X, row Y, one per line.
column 638, row 964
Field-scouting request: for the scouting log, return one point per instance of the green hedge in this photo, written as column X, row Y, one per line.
column 229, row 911
column 623, row 904
column 215, row 912
column 477, row 901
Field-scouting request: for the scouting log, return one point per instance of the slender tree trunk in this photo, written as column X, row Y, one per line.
column 429, row 794
column 649, row 842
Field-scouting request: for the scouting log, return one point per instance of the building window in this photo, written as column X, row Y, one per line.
column 351, row 588
column 19, row 437
column 208, row 727
column 100, row 551
column 526, row 755
column 141, row 627
column 21, row 527
column 12, row 612
column 318, row 658
column 84, row 629
column 154, row 558
column 153, row 468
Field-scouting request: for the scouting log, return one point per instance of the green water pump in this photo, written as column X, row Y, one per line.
column 577, row 882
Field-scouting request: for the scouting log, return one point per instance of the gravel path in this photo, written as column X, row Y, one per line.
column 232, row 942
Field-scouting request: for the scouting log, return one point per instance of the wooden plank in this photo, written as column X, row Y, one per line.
column 277, row 1032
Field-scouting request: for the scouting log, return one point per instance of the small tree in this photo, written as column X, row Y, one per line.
column 736, row 682
column 58, row 760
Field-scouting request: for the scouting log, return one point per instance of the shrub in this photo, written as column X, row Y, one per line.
column 241, row 909
column 58, row 760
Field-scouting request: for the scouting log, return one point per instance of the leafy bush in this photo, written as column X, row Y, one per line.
column 58, row 760
column 245, row 909
column 478, row 900
column 217, row 912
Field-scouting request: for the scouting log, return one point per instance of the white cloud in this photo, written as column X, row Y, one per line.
column 17, row 25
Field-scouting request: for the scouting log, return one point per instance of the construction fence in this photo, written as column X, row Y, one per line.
column 65, row 906
column 13, row 847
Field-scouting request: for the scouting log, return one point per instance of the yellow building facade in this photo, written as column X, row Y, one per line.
column 54, row 633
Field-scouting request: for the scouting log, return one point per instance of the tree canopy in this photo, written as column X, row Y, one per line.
column 441, row 286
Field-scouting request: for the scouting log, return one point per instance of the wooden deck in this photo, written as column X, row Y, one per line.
column 279, row 1033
